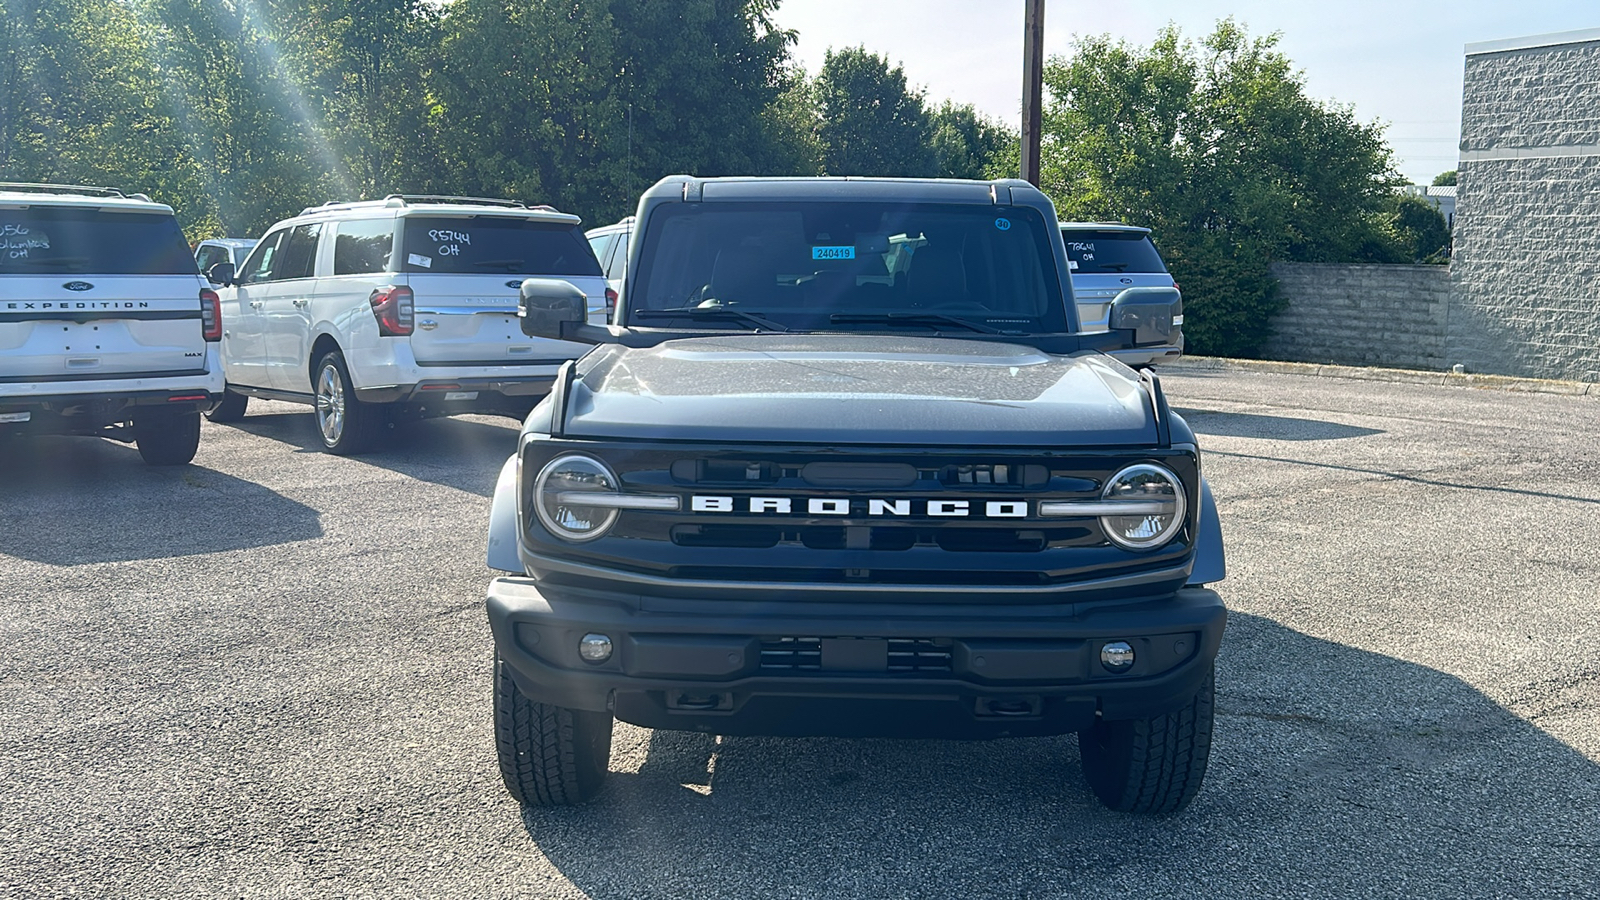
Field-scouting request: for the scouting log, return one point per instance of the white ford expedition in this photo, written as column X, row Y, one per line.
column 405, row 306
column 106, row 327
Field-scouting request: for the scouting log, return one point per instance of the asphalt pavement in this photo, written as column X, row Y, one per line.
column 267, row 675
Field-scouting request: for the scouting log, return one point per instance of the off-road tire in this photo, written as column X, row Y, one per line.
column 166, row 437
column 1151, row 766
column 346, row 425
column 230, row 409
column 549, row 755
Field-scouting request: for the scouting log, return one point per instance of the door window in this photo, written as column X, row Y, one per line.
column 601, row 244
column 299, row 256
column 209, row 256
column 263, row 263
column 619, row 260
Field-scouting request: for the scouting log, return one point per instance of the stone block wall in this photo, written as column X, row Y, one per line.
column 1526, row 299
column 1362, row 315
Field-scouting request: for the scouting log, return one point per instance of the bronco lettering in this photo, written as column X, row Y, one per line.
column 872, row 506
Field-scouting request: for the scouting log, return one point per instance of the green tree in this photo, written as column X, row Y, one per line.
column 258, row 151
column 1445, row 179
column 1417, row 230
column 968, row 145
column 792, row 128
column 872, row 123
column 603, row 106
column 1218, row 148
column 360, row 67
column 79, row 101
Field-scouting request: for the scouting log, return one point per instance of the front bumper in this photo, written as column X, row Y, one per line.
column 729, row 667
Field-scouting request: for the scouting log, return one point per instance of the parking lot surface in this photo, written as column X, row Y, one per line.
column 267, row 675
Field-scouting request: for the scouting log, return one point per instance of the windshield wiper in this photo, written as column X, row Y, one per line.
column 912, row 318
column 708, row 312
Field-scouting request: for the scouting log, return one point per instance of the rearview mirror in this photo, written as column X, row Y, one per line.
column 550, row 308
column 1153, row 314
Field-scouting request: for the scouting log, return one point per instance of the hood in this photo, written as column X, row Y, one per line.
column 857, row 389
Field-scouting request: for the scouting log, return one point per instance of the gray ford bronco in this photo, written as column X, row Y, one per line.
column 845, row 465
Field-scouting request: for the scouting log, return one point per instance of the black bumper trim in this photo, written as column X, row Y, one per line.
column 701, row 671
column 531, row 386
column 101, row 376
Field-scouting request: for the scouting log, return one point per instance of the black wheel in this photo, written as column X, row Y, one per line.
column 549, row 755
column 347, row 425
column 166, row 437
column 1154, row 765
column 231, row 409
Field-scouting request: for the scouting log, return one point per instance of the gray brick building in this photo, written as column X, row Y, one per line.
column 1526, row 271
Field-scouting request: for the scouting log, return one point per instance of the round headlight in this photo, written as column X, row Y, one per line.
column 557, row 497
column 1155, row 499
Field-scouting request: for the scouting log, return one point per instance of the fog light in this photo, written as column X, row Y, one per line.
column 597, row 648
column 1116, row 656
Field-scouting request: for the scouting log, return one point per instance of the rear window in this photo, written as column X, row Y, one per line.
column 47, row 239
column 495, row 245
column 1111, row 252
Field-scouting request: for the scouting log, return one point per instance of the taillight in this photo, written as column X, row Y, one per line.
column 394, row 308
column 611, row 305
column 210, row 315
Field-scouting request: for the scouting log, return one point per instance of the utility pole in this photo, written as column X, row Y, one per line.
column 1032, row 88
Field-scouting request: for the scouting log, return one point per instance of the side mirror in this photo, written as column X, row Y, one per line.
column 1153, row 314
column 222, row 273
column 550, row 308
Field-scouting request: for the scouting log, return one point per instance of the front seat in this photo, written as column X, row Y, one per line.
column 936, row 278
column 742, row 276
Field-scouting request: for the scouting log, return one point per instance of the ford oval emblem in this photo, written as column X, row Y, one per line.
column 78, row 286
column 514, row 285
column 1126, row 280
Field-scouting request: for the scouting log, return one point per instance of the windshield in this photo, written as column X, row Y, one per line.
column 495, row 245
column 45, row 239
column 1111, row 252
column 847, row 266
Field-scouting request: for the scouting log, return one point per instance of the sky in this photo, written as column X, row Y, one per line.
column 1398, row 62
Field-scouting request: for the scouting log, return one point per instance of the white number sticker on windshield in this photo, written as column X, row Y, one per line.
column 833, row 252
column 417, row 259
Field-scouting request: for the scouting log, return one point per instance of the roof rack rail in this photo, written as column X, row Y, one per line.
column 450, row 198
column 44, row 188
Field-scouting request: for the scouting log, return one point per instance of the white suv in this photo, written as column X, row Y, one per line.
column 403, row 306
column 106, row 327
column 1107, row 258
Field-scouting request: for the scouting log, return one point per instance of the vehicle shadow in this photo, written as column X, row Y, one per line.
column 1335, row 771
column 125, row 510
column 1275, row 428
column 461, row 453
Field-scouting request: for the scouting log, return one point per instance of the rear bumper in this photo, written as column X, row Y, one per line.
column 748, row 667
column 88, row 413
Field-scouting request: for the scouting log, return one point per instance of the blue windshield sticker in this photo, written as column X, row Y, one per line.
column 1003, row 224
column 833, row 252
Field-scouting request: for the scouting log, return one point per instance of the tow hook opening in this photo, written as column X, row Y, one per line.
column 1010, row 707
column 699, row 701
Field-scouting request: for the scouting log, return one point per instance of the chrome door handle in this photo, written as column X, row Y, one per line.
column 255, row 304
column 301, row 303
